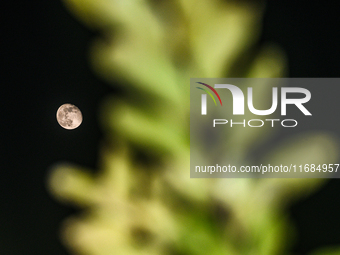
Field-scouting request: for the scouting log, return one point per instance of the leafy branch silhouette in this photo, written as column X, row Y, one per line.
column 142, row 200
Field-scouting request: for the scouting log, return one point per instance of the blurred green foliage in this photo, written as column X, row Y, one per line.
column 142, row 200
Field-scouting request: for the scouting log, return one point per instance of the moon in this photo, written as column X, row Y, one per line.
column 69, row 116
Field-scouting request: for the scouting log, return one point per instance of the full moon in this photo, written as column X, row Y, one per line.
column 69, row 116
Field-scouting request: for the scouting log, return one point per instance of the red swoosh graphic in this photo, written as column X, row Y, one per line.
column 213, row 90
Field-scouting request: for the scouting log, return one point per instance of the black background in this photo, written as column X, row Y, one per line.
column 44, row 56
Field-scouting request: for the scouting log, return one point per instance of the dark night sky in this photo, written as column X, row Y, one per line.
column 44, row 53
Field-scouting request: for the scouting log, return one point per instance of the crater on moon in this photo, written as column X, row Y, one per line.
column 69, row 116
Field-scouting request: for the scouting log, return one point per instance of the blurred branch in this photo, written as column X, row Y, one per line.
column 148, row 204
